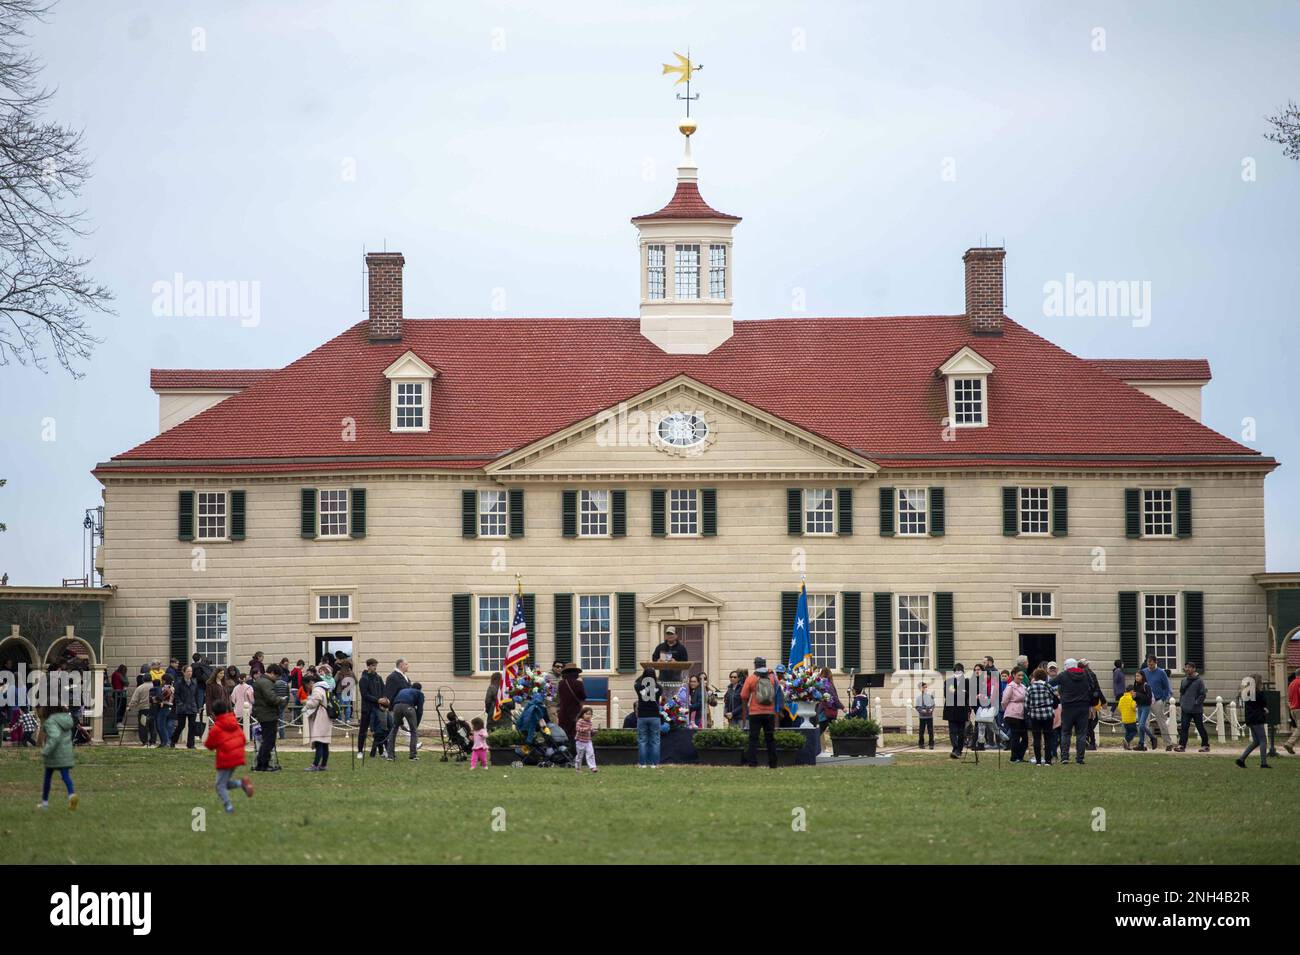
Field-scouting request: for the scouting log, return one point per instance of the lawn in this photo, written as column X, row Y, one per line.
column 138, row 805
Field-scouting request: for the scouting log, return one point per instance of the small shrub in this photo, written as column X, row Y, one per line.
column 727, row 738
column 790, row 739
column 853, row 727
column 504, row 738
column 614, row 737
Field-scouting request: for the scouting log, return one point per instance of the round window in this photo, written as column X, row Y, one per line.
column 682, row 429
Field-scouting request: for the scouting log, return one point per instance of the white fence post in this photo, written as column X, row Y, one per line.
column 1172, row 721
column 614, row 718
column 907, row 716
column 1218, row 719
column 1233, row 721
column 878, row 707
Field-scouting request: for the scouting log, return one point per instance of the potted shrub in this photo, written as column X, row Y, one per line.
column 614, row 747
column 725, row 747
column 854, row 737
column 501, row 746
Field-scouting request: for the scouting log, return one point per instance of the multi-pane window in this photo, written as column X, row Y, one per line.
column 823, row 630
column 211, row 515
column 493, row 632
column 914, row 631
column 334, row 513
column 654, row 271
column 1033, row 510
column 1160, row 627
column 912, row 510
column 212, row 631
column 410, row 404
column 491, row 513
column 593, row 511
column 594, row 634
column 717, row 271
column 968, row 401
column 333, row 607
column 688, row 271
column 1037, row 603
column 1157, row 512
column 683, row 512
column 819, row 511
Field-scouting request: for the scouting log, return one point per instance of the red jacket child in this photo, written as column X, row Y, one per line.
column 227, row 738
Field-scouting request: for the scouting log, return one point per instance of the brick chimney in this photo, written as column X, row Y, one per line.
column 384, row 292
column 984, row 289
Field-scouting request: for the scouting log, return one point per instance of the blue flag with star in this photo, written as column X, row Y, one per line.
column 800, row 647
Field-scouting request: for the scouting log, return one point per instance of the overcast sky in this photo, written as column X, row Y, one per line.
column 503, row 147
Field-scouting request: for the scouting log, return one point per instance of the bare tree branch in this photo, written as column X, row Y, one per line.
column 1286, row 131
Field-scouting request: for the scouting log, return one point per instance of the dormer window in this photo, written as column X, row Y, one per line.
column 966, row 379
column 410, row 384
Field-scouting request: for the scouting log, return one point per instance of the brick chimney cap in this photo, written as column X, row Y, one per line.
column 985, row 251
column 386, row 257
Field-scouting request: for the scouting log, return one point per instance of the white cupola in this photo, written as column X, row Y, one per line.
column 686, row 265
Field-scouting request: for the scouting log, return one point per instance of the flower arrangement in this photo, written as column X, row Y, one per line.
column 673, row 713
column 529, row 682
column 805, row 684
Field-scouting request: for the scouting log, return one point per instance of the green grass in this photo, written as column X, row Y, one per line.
column 137, row 807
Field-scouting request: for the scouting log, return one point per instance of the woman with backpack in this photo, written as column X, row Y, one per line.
column 828, row 710
column 315, row 713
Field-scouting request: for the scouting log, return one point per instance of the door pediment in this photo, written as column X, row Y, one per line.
column 683, row 602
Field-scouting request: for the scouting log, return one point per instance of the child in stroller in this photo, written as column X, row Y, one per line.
column 543, row 745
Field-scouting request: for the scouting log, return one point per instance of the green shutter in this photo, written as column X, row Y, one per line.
column 1128, row 630
column 516, row 496
column 569, row 513
column 937, row 522
column 945, row 640
column 658, row 508
column 1183, row 512
column 709, row 511
column 462, row 638
column 844, row 511
column 886, row 512
column 357, row 517
column 563, row 628
column 626, row 632
column 618, row 513
column 1132, row 512
column 794, row 511
column 789, row 607
column 851, row 629
column 178, row 633
column 238, row 517
column 1010, row 511
column 185, row 516
column 1060, row 511
column 883, row 631
column 469, row 513
column 530, row 618
column 307, row 516
column 1194, row 628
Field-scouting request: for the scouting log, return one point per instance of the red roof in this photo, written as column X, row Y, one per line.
column 687, row 203
column 160, row 378
column 1155, row 369
column 866, row 384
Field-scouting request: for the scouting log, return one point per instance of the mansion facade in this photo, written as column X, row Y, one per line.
column 949, row 486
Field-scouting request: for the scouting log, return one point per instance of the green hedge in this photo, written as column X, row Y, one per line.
column 731, row 738
column 853, row 728
column 504, row 738
column 614, row 737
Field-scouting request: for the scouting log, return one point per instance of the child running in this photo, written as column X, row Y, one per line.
column 478, row 756
column 226, row 737
column 55, row 739
column 582, row 741
column 1128, row 715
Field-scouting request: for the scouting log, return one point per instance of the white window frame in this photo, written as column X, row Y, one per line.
column 478, row 630
column 1022, row 510
column 953, row 401
column 325, row 593
column 924, row 511
column 1172, row 512
column 224, row 496
column 194, row 627
column 593, row 516
column 1018, row 607
column 320, row 513
column 929, row 634
column 671, row 509
column 482, row 513
column 423, row 385
column 683, row 271
column 809, row 511
column 823, row 600
column 1175, row 598
column 718, row 270
column 583, row 659
column 656, row 274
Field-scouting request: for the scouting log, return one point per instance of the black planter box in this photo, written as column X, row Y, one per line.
column 853, row 745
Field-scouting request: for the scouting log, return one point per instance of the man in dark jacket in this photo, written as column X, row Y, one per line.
column 397, row 680
column 1191, row 708
column 1098, row 699
column 267, row 705
column 371, row 687
column 186, row 700
column 959, row 694
column 1076, row 700
column 408, row 708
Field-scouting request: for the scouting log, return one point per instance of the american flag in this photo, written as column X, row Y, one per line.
column 516, row 655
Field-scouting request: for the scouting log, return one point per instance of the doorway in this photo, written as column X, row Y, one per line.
column 330, row 646
column 692, row 637
column 1040, row 648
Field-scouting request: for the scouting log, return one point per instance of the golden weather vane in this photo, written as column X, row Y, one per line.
column 684, row 69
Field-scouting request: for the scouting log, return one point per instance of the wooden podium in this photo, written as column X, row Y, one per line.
column 677, row 667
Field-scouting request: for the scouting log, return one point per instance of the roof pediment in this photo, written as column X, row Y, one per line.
column 684, row 594
column 966, row 361
column 410, row 365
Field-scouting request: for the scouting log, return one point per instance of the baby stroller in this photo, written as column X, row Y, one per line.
column 543, row 745
column 457, row 738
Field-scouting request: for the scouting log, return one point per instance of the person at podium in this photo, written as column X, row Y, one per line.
column 671, row 649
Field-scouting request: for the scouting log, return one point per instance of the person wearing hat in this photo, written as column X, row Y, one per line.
column 570, row 696
column 1076, row 700
column 671, row 649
